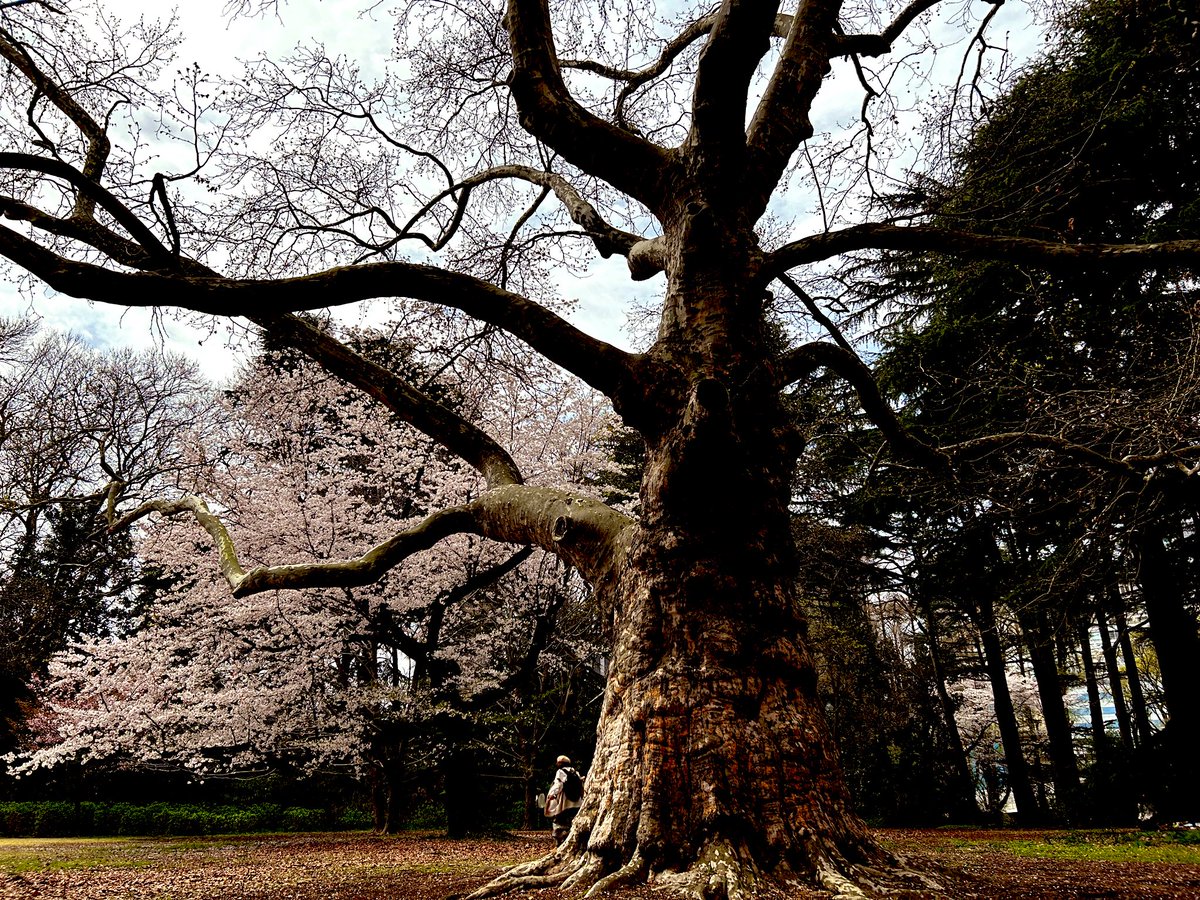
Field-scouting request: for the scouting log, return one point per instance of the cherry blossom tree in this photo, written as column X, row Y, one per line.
column 369, row 679
column 979, row 728
column 515, row 136
column 80, row 430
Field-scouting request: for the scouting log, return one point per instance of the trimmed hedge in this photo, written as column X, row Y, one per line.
column 60, row 819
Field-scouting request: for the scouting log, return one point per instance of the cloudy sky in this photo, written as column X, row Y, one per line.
column 217, row 42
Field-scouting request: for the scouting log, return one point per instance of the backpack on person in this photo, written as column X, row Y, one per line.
column 573, row 787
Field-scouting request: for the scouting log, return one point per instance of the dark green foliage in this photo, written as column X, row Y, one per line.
column 1098, row 141
column 62, row 819
column 69, row 579
column 879, row 700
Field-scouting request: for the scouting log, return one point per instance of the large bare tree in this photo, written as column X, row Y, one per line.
column 713, row 772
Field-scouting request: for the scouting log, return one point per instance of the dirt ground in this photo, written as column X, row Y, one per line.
column 985, row 864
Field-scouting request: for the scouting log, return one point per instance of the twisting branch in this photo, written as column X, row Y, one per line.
column 231, row 568
column 803, row 360
column 549, row 112
column 781, row 120
column 608, row 240
column 582, row 532
column 600, row 364
column 881, row 43
column 1029, row 251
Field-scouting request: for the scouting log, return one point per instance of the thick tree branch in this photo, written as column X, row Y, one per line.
column 86, row 231
column 781, row 121
column 803, row 360
column 549, row 112
column 881, row 43
column 598, row 363
column 582, row 532
column 1029, row 251
column 159, row 255
column 452, row 431
column 739, row 38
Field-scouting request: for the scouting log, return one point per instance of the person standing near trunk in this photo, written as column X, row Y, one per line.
column 562, row 800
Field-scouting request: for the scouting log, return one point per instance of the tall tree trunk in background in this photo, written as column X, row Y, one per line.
column 389, row 804
column 964, row 807
column 1115, row 686
column 1174, row 632
column 1091, row 682
column 465, row 810
column 1040, row 641
column 1137, row 696
column 984, row 615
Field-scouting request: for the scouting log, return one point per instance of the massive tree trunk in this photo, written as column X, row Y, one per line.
column 714, row 771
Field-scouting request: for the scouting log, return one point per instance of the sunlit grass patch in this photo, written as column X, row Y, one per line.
column 1105, row 845
column 22, row 855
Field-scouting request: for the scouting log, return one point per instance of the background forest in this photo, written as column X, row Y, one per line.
column 1020, row 639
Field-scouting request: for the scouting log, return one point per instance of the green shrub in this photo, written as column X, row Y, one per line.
column 353, row 819
column 54, row 820
column 296, row 818
column 59, row 819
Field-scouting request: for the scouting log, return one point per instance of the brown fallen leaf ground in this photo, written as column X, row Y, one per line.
column 422, row 866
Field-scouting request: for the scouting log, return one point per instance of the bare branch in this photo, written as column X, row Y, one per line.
column 634, row 79
column 608, row 240
column 226, row 552
column 549, row 112
column 781, row 121
column 879, row 44
column 42, row 3
column 815, row 311
column 99, row 145
column 803, row 360
column 1029, row 251
column 89, row 188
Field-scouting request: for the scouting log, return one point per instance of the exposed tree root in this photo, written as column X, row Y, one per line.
column 721, row 871
column 633, row 872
